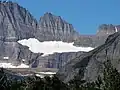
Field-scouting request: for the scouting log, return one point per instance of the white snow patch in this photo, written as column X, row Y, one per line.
column 50, row 47
column 23, row 60
column 22, row 66
column 38, row 75
column 51, row 73
column 42, row 76
column 116, row 30
column 25, row 74
column 9, row 65
column 5, row 57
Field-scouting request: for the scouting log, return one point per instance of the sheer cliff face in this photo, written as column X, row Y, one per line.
column 54, row 28
column 15, row 22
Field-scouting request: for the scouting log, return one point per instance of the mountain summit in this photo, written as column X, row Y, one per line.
column 53, row 27
column 16, row 22
column 107, row 29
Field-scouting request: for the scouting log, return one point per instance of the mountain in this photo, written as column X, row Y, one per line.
column 90, row 64
column 53, row 27
column 99, row 38
column 107, row 29
column 16, row 24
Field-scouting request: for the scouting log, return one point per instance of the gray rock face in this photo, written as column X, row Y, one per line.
column 90, row 41
column 12, row 52
column 106, row 29
column 57, row 60
column 15, row 22
column 54, row 28
column 90, row 65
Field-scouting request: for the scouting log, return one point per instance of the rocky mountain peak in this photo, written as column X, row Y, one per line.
column 53, row 27
column 107, row 29
column 56, row 22
column 15, row 9
column 15, row 22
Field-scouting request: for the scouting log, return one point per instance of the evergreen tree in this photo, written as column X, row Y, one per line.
column 5, row 82
column 58, row 84
column 111, row 79
column 77, row 83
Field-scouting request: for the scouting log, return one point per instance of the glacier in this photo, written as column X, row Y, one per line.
column 51, row 47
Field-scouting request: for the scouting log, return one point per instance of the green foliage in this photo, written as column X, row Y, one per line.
column 5, row 83
column 111, row 79
column 76, row 83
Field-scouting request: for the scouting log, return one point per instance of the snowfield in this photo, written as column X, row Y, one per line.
column 9, row 65
column 50, row 47
column 47, row 73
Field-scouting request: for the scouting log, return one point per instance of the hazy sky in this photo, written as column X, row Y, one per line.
column 85, row 15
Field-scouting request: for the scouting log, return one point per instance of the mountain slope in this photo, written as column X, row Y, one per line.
column 90, row 65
